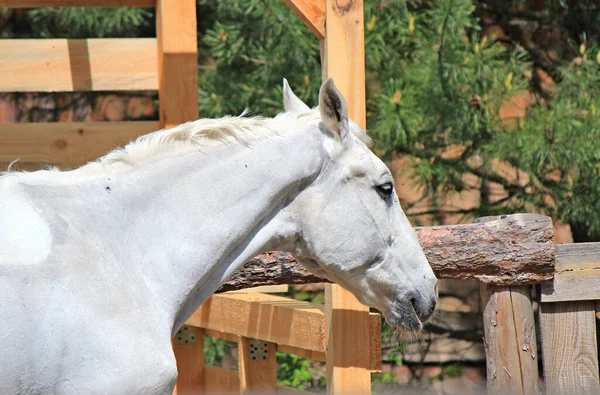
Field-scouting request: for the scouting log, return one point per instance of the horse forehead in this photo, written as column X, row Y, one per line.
column 361, row 162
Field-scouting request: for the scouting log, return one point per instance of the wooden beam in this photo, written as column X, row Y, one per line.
column 569, row 347
column 509, row 340
column 221, row 381
column 257, row 366
column 76, row 3
column 577, row 274
column 312, row 13
column 66, row 145
column 348, row 341
column 293, row 325
column 222, row 335
column 517, row 249
column 49, row 65
column 177, row 61
column 265, row 317
column 308, row 354
column 188, row 346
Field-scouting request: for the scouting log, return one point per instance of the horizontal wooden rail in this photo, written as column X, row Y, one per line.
column 515, row 250
column 60, row 65
column 287, row 322
column 66, row 145
column 221, row 381
column 577, row 274
column 76, row 3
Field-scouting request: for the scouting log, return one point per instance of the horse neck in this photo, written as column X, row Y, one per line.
column 194, row 220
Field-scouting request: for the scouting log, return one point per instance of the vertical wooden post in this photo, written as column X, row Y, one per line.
column 343, row 59
column 510, row 337
column 569, row 347
column 178, row 100
column 188, row 346
column 257, row 361
column 177, row 61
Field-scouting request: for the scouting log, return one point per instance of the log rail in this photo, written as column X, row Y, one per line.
column 513, row 250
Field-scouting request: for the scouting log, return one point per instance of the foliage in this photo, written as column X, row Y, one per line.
column 217, row 350
column 297, row 372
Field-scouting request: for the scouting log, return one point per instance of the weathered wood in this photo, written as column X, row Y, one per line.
column 257, row 362
column 177, row 61
column 509, row 340
column 50, row 65
column 190, row 362
column 515, row 250
column 312, row 13
column 577, row 274
column 76, row 3
column 509, row 331
column 569, row 347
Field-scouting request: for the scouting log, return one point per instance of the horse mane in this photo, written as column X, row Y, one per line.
column 200, row 135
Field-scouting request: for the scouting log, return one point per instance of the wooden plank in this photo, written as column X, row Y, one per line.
column 177, row 61
column 49, row 65
column 221, row 381
column 190, row 362
column 509, row 340
column 348, row 343
column 76, row 3
column 569, row 347
column 308, row 354
column 266, row 317
column 577, row 274
column 66, row 145
column 312, row 13
column 257, row 361
column 348, row 326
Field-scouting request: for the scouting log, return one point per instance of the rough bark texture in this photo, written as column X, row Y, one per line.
column 513, row 250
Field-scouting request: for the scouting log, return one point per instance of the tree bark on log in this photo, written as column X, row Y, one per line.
column 516, row 249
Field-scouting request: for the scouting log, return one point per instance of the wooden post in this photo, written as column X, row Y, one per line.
column 177, row 61
column 509, row 333
column 257, row 361
column 178, row 101
column 188, row 346
column 348, row 346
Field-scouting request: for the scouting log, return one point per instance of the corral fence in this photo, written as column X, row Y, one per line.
column 514, row 257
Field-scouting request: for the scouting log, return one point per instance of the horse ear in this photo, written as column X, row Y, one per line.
column 291, row 102
column 333, row 108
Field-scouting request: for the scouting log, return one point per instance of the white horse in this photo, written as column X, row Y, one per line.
column 101, row 265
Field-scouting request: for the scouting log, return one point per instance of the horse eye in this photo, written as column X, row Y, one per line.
column 385, row 189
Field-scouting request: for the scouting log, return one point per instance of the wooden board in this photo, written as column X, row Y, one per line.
column 510, row 340
column 312, row 13
column 348, row 345
column 66, row 145
column 221, row 381
column 569, row 347
column 577, row 274
column 49, row 65
column 308, row 354
column 266, row 317
column 76, row 3
column 190, row 363
column 177, row 61
column 257, row 366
